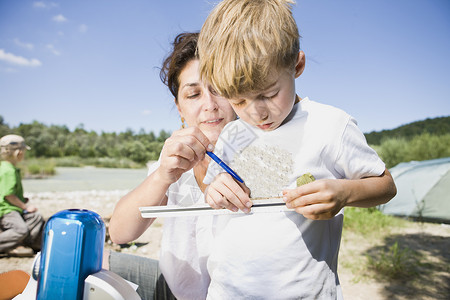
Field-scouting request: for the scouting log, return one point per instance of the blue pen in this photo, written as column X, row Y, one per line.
column 224, row 166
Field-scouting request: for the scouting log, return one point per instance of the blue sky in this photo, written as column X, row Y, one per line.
column 96, row 62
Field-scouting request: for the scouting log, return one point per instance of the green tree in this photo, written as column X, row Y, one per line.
column 422, row 147
column 163, row 135
column 4, row 128
column 136, row 151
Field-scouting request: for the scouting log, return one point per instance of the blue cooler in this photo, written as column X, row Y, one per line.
column 72, row 250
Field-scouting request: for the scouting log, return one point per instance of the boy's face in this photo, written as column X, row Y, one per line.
column 268, row 109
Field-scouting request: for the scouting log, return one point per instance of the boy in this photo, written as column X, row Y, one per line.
column 20, row 224
column 249, row 53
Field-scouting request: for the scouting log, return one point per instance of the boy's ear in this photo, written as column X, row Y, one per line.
column 300, row 64
column 17, row 152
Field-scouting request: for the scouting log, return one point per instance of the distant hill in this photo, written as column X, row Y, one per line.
column 436, row 126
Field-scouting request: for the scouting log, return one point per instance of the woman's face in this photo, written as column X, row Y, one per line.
column 199, row 106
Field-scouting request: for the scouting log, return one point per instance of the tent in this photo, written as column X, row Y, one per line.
column 423, row 190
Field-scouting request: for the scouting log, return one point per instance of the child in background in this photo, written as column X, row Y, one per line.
column 20, row 223
column 249, row 53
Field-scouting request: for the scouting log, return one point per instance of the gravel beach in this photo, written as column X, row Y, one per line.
column 432, row 240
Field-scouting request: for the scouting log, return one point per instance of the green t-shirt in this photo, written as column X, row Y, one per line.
column 10, row 184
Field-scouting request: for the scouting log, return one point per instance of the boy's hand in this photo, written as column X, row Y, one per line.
column 318, row 200
column 225, row 192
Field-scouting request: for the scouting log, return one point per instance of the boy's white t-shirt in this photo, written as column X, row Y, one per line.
column 183, row 250
column 284, row 255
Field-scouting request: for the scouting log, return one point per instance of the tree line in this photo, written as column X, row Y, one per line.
column 435, row 127
column 421, row 140
column 58, row 141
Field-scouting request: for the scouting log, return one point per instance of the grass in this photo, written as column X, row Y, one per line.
column 395, row 262
column 387, row 262
column 44, row 167
column 369, row 222
column 34, row 167
column 102, row 162
column 381, row 248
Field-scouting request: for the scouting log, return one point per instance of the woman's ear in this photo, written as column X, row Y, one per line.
column 178, row 108
column 300, row 64
column 183, row 125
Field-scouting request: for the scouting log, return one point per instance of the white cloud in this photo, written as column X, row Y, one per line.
column 59, row 18
column 60, row 33
column 39, row 4
column 42, row 4
column 83, row 28
column 53, row 50
column 28, row 46
column 146, row 112
column 19, row 60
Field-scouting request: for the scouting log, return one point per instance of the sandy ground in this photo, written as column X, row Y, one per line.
column 431, row 240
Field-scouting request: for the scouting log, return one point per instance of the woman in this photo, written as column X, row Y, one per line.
column 176, row 179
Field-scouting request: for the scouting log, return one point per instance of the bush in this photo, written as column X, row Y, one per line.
column 395, row 262
column 38, row 167
column 422, row 147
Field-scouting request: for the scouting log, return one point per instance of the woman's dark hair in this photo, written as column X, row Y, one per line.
column 184, row 50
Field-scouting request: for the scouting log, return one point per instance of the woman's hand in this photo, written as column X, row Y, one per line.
column 318, row 200
column 181, row 152
column 225, row 192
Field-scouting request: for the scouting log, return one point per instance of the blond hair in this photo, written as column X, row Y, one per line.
column 242, row 41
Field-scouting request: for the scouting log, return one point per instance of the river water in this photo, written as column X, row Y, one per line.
column 86, row 179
